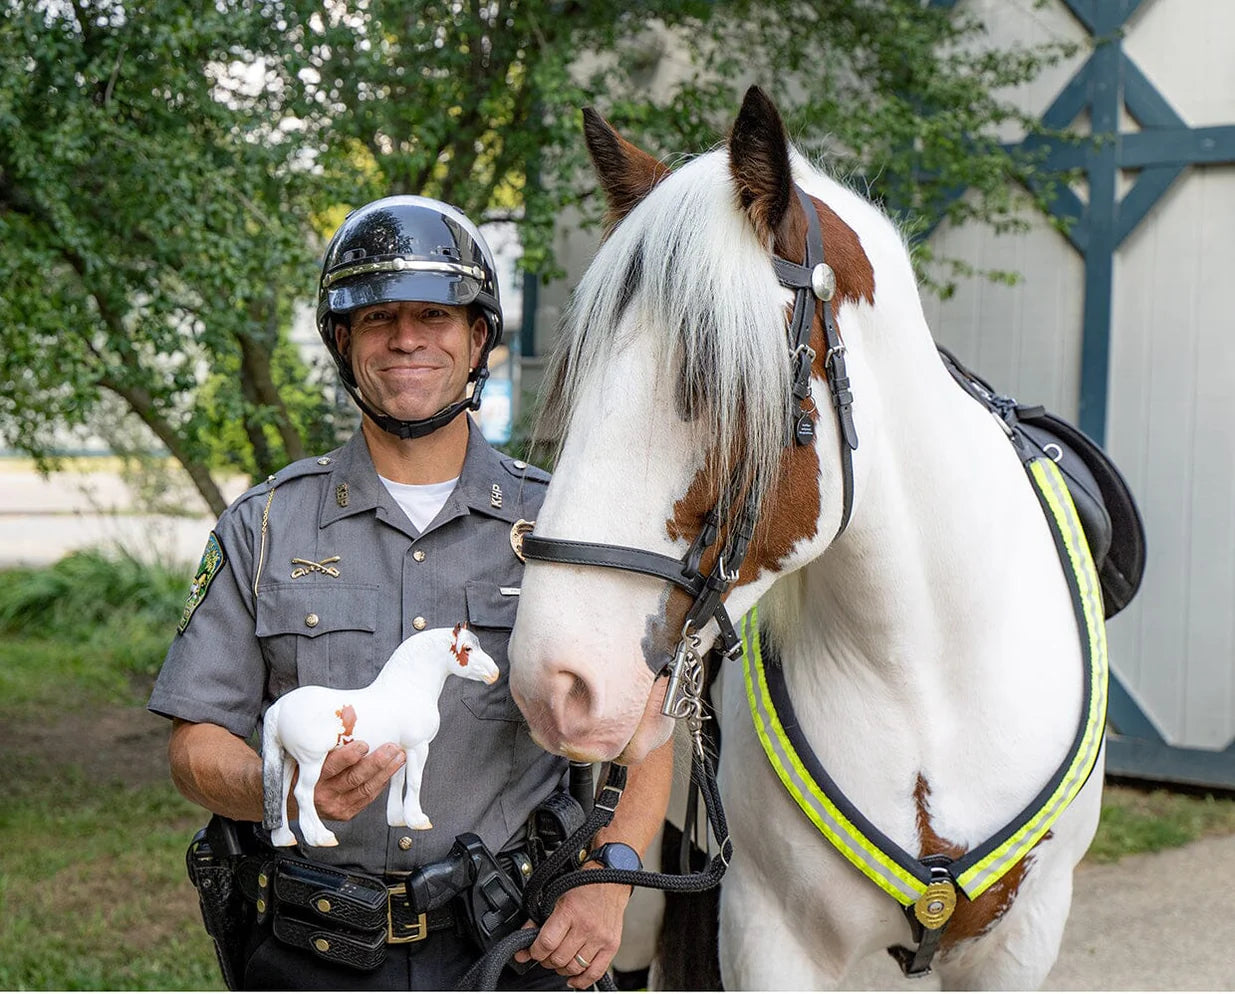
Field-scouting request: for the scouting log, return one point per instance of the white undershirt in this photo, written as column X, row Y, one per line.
column 420, row 501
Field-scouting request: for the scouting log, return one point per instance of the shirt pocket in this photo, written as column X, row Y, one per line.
column 491, row 613
column 318, row 634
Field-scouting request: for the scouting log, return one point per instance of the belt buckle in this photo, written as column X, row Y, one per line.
column 415, row 932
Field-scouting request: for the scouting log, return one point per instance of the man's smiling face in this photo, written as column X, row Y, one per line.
column 411, row 358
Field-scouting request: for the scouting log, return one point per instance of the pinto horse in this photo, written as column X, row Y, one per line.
column 909, row 587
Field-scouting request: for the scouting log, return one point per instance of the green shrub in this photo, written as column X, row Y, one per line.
column 85, row 589
column 116, row 609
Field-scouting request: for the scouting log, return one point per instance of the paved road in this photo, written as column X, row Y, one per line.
column 1157, row 922
column 42, row 520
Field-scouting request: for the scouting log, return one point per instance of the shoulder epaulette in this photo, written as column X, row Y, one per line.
column 524, row 470
column 312, row 466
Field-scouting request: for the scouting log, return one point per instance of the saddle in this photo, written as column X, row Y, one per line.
column 1108, row 513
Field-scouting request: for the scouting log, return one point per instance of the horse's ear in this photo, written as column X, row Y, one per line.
column 458, row 628
column 626, row 172
column 759, row 163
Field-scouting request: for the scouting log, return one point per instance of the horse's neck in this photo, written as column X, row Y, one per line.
column 422, row 677
column 923, row 555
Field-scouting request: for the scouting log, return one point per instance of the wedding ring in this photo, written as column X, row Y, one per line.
column 582, row 962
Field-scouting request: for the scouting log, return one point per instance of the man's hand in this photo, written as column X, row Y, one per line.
column 352, row 777
column 585, row 927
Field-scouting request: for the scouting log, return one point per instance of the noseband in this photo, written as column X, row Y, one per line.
column 812, row 283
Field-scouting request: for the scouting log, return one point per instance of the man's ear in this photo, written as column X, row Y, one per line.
column 342, row 338
column 480, row 332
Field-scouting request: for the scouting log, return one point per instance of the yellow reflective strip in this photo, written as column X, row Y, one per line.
column 887, row 874
column 988, row 871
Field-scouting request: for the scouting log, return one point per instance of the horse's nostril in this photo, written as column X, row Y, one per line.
column 572, row 703
column 579, row 695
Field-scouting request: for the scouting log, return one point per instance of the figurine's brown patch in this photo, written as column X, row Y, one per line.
column 971, row 918
column 461, row 652
column 347, row 717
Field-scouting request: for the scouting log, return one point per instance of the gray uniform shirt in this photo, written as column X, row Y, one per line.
column 315, row 576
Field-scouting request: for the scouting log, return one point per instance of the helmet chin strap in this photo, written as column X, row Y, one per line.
column 423, row 426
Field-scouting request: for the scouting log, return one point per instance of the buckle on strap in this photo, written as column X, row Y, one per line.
column 400, row 932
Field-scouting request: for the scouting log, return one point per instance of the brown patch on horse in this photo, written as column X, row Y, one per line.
column 626, row 172
column 760, row 165
column 796, row 514
column 347, row 717
column 971, row 918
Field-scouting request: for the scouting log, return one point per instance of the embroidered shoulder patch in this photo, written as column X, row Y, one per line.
column 212, row 561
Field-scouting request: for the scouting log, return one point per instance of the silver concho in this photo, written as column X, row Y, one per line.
column 823, row 281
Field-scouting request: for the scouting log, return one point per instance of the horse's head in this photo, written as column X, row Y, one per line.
column 671, row 393
column 469, row 660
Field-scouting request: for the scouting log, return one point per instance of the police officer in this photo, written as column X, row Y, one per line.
column 316, row 575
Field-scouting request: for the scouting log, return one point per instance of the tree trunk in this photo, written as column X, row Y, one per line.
column 259, row 387
column 143, row 406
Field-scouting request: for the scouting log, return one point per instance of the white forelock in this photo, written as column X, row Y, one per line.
column 686, row 267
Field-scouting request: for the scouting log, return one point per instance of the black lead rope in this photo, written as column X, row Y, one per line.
column 553, row 878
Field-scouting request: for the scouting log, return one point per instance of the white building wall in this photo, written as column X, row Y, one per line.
column 1170, row 420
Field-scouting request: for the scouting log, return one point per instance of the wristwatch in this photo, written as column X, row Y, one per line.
column 616, row 856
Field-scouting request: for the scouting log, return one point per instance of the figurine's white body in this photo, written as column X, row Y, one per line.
column 400, row 706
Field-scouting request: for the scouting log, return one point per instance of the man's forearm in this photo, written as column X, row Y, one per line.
column 216, row 769
column 644, row 802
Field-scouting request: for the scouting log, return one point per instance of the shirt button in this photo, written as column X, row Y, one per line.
column 324, row 461
column 419, row 624
column 311, row 620
column 520, row 464
column 405, row 842
column 419, row 555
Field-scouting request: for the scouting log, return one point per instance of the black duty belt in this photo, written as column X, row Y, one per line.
column 343, row 917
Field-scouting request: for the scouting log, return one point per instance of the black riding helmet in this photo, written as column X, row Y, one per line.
column 408, row 248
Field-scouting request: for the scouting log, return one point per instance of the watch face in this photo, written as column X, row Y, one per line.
column 620, row 856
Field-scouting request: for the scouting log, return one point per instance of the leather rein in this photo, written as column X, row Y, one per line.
column 813, row 283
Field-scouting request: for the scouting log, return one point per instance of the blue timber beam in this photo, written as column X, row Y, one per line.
column 1162, row 150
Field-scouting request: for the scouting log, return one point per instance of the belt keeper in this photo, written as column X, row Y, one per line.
column 609, row 798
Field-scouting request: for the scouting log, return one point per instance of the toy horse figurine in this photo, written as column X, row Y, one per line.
column 400, row 706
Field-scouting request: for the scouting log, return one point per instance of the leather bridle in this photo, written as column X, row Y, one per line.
column 813, row 283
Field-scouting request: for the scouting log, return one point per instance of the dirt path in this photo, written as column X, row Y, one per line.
column 109, row 742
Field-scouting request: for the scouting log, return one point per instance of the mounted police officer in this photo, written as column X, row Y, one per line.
column 314, row 577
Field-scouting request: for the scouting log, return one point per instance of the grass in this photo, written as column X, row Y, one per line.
column 1139, row 821
column 93, row 892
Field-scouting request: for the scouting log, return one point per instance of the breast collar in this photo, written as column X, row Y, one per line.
column 814, row 284
column 926, row 886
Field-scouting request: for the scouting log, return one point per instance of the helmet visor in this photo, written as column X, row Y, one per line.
column 383, row 287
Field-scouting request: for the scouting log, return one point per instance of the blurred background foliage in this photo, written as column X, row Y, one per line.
column 169, row 170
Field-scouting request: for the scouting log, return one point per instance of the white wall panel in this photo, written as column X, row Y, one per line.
column 1026, row 338
column 1187, row 49
column 1171, row 400
column 1170, row 426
